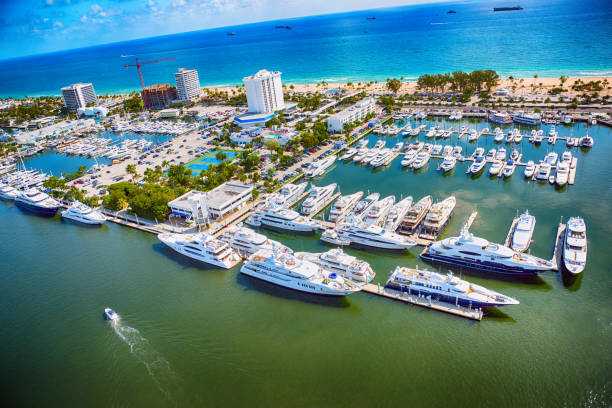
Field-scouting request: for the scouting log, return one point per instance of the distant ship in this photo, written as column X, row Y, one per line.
column 507, row 8
column 279, row 26
column 231, row 33
column 288, row 27
column 371, row 18
column 451, row 12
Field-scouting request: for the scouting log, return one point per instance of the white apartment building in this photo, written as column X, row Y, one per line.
column 264, row 92
column 335, row 123
column 187, row 84
column 78, row 96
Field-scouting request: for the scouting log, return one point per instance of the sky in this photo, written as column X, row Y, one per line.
column 39, row 26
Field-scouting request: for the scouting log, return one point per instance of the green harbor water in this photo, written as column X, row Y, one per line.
column 192, row 336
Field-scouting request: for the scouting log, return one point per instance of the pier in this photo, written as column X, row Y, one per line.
column 415, row 299
column 558, row 248
column 572, row 173
column 510, row 231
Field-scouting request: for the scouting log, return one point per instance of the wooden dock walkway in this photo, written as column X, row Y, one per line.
column 470, row 220
column 572, row 173
column 558, row 248
column 415, row 299
column 510, row 231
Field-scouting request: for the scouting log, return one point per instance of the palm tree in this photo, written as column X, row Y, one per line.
column 165, row 163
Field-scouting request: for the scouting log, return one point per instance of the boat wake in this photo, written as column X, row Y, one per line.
column 157, row 366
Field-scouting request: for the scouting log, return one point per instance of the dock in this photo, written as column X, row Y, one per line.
column 510, row 231
column 470, row 220
column 558, row 248
column 572, row 173
column 415, row 299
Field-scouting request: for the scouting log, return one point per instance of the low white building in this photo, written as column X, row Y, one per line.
column 169, row 113
column 100, row 111
column 336, row 122
column 220, row 202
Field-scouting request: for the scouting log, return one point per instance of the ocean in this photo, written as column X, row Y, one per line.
column 547, row 38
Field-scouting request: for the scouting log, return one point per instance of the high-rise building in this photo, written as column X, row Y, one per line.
column 158, row 96
column 264, row 91
column 187, row 84
column 78, row 96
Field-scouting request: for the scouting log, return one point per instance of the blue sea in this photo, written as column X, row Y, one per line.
column 548, row 38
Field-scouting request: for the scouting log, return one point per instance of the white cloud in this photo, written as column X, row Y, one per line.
column 84, row 19
column 178, row 3
column 96, row 8
column 150, row 3
column 49, row 2
column 58, row 24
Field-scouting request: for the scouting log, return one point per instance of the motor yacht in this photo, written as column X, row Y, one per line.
column 37, row 202
column 283, row 219
column 543, row 171
column 378, row 212
column 522, row 233
column 8, row 192
column 529, row 119
column 571, row 142
column 514, row 155
column 82, row 213
column 502, row 118
column 447, row 150
column 473, row 136
column 575, row 245
column 382, row 157
column 472, row 252
column 457, row 152
column 318, row 198
column 289, row 194
column 415, row 215
column 495, row 168
column 478, row 152
column 409, row 158
column 110, row 314
column 284, row 269
column 437, row 149
column 397, row 214
column 370, row 155
column 448, row 163
column 348, row 154
column 567, row 157
column 246, row 242
column 447, row 288
column 585, row 141
column 478, row 165
column 360, row 155
column 421, row 160
column 510, row 137
column 562, row 174
column 330, row 236
column 551, row 158
column 336, row 260
column 491, row 155
column 529, row 169
column 373, row 236
column 501, row 154
column 438, row 216
column 343, row 206
column 202, row 247
column 499, row 136
column 319, row 167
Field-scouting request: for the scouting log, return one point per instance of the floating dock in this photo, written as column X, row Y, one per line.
column 510, row 231
column 415, row 299
column 558, row 248
column 572, row 173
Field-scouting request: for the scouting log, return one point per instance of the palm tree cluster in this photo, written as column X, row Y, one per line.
column 459, row 81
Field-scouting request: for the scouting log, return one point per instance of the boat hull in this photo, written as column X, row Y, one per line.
column 443, row 298
column 207, row 261
column 293, row 285
column 42, row 211
column 82, row 220
column 482, row 266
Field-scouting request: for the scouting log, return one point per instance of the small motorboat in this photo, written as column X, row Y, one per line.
column 551, row 179
column 530, row 169
column 110, row 314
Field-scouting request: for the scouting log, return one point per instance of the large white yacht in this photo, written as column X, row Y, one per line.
column 421, row 160
column 246, row 242
column 202, row 247
column 438, row 216
column 360, row 210
column 343, row 205
column 477, row 253
column 530, row 119
column 378, row 212
column 415, row 215
column 284, row 269
column 317, row 199
column 575, row 245
column 8, row 192
column 282, row 219
column 82, row 213
column 562, row 174
column 37, row 202
column 543, row 171
column 447, row 288
column 382, row 157
column 289, row 194
column 500, row 117
column 397, row 214
column 318, row 167
column 448, row 164
column 523, row 231
column 335, row 260
column 373, row 236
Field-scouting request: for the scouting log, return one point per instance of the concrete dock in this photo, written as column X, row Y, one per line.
column 558, row 248
column 510, row 231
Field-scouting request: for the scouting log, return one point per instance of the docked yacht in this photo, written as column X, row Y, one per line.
column 478, row 152
column 478, row 253
column 473, row 136
column 335, row 260
column 437, row 149
column 283, row 219
column 543, row 171
column 397, row 214
column 448, row 163
column 360, row 210
column 378, row 212
column 382, row 157
column 8, row 192
column 409, row 158
column 415, row 215
column 289, row 194
column 330, row 236
column 562, row 174
column 510, row 137
column 529, row 169
column 501, row 154
column 360, row 155
column 343, row 206
column 202, row 247
column 496, row 167
column 499, row 136
column 421, row 160
column 551, row 158
column 284, row 269
column 318, row 167
column 438, row 216
column 530, row 119
column 317, row 199
column 509, row 169
column 348, row 154
column 370, row 155
column 575, row 245
column 447, row 288
column 585, row 141
column 82, row 213
column 478, row 165
column 373, row 236
column 523, row 231
column 246, row 242
column 491, row 155
column 37, row 202
column 502, row 118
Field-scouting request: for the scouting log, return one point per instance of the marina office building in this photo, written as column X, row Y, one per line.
column 336, row 122
column 187, row 84
column 219, row 202
column 79, row 96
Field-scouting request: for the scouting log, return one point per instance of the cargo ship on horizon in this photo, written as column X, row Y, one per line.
column 507, row 8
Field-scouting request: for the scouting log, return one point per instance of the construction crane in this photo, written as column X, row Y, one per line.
column 140, row 64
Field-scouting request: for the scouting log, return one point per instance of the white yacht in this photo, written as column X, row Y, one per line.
column 409, row 158
column 289, row 194
column 343, row 206
column 284, row 269
column 478, row 152
column 567, row 157
column 437, row 149
column 491, row 155
column 335, row 260
column 82, row 213
column 360, row 210
column 438, row 216
column 501, row 154
column 37, row 202
column 246, row 242
column 397, row 214
column 478, row 253
column 496, row 167
column 530, row 119
column 509, row 169
column 318, row 167
column 499, row 136
column 421, row 160
column 370, row 155
column 448, row 163
column 378, row 212
column 317, row 199
column 360, row 155
column 575, row 245
column 529, row 169
column 348, row 154
column 551, row 158
column 382, row 157
column 478, row 165
column 585, row 141
column 8, row 192
column 523, row 231
column 502, row 118
column 510, row 137
column 447, row 288
column 473, row 136
column 110, row 314
column 543, row 171
column 415, row 215
column 202, row 247
column 330, row 236
column 562, row 174
column 283, row 219
column 373, row 236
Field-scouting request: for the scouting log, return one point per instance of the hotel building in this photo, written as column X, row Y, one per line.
column 78, row 96
column 264, row 92
column 187, row 84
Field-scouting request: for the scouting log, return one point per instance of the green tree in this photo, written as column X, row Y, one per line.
column 394, row 85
